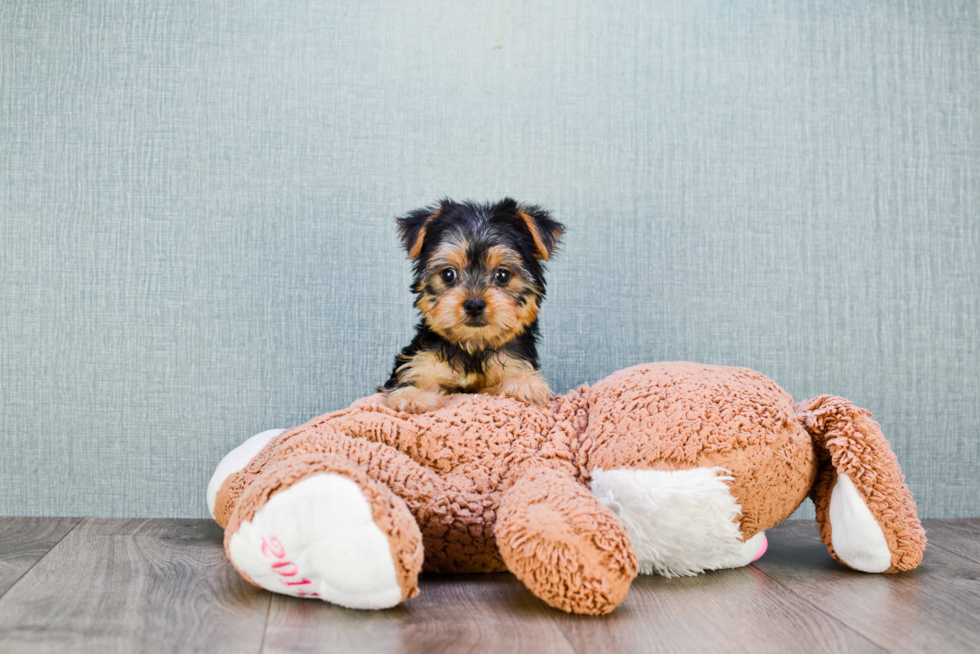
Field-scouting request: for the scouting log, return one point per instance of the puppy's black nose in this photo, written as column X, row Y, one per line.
column 474, row 306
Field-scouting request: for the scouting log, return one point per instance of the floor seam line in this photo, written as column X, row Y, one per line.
column 44, row 556
column 954, row 553
column 551, row 615
column 820, row 609
column 265, row 626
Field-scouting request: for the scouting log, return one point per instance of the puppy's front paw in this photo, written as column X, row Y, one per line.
column 530, row 389
column 410, row 399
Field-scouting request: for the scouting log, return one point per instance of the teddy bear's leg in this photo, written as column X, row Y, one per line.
column 422, row 490
column 316, row 525
column 681, row 522
column 867, row 516
column 566, row 547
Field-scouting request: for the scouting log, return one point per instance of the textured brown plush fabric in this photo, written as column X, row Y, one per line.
column 450, row 466
column 849, row 442
column 493, row 484
column 565, row 546
column 678, row 416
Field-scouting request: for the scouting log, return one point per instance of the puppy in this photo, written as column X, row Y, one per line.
column 479, row 283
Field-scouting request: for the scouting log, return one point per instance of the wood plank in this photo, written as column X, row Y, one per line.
column 739, row 610
column 959, row 536
column 165, row 585
column 23, row 541
column 453, row 613
column 133, row 586
column 935, row 608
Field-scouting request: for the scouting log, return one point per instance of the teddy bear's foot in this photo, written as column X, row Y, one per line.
column 868, row 519
column 319, row 527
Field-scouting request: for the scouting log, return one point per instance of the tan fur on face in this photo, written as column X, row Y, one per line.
column 451, row 254
column 500, row 256
column 448, row 255
column 506, row 318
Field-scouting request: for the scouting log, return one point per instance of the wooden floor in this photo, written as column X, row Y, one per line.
column 101, row 585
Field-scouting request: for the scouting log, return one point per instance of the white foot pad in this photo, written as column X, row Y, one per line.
column 748, row 551
column 855, row 534
column 235, row 460
column 318, row 539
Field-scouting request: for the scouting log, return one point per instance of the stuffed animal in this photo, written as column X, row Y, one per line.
column 673, row 468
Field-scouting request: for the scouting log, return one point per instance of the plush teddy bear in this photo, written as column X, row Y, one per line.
column 673, row 468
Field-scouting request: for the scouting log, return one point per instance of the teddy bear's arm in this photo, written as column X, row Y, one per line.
column 359, row 422
column 317, row 525
column 566, row 547
column 295, row 522
column 867, row 516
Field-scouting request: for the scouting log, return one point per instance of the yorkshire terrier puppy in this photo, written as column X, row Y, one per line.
column 479, row 283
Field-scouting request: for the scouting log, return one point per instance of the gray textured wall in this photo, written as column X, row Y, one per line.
column 196, row 205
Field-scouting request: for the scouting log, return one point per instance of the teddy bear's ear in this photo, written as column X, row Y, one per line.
column 545, row 231
column 412, row 228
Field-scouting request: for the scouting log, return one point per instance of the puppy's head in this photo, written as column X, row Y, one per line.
column 479, row 273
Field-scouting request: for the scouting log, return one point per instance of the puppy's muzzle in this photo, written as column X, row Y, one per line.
column 474, row 307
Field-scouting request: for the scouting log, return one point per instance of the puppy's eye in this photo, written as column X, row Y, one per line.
column 502, row 276
column 448, row 276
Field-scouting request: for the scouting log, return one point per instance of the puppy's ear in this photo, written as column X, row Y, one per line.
column 412, row 228
column 545, row 231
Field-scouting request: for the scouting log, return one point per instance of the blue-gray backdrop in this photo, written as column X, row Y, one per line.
column 197, row 204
